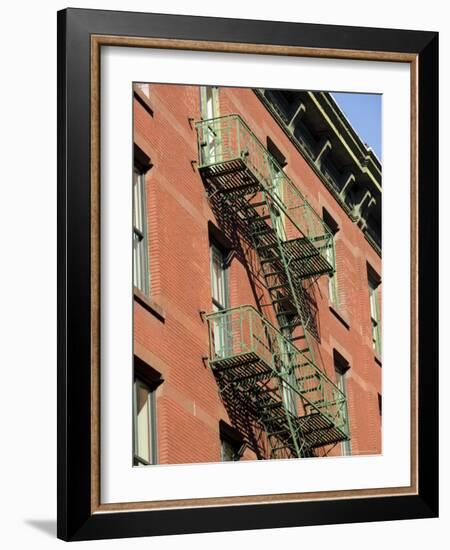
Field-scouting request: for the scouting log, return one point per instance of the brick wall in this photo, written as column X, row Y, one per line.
column 175, row 341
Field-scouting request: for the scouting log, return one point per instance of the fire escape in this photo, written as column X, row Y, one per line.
column 269, row 373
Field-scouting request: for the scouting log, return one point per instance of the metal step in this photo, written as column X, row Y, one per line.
column 238, row 188
column 282, row 299
column 270, row 260
column 272, row 273
column 303, row 258
column 255, row 205
column 284, row 285
column 311, row 390
column 309, row 377
column 268, row 231
column 277, row 432
column 259, row 218
column 291, row 326
column 264, row 246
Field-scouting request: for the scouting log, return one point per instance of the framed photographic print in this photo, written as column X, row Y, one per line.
column 247, row 274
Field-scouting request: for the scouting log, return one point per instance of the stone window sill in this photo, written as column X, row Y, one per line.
column 150, row 305
column 339, row 316
column 143, row 100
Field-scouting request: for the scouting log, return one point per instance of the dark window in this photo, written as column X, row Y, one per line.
column 231, row 443
column 276, row 153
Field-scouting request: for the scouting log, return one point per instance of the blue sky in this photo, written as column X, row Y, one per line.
column 364, row 113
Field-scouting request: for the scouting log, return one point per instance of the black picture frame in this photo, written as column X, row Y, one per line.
column 76, row 521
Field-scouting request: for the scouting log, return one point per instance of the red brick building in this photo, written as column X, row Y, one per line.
column 257, row 273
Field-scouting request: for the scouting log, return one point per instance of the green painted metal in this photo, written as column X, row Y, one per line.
column 226, row 143
column 293, row 245
column 273, row 367
column 235, row 165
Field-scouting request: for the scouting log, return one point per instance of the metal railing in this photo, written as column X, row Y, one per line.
column 225, row 139
column 242, row 332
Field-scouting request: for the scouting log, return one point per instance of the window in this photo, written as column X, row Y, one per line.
column 228, row 450
column 341, row 368
column 209, row 102
column 333, row 294
column 290, row 395
column 231, row 443
column 144, row 424
column 219, row 295
column 278, row 192
column 219, row 278
column 146, row 381
column 141, row 276
column 289, row 381
column 209, row 108
column 333, row 289
column 278, row 184
column 374, row 298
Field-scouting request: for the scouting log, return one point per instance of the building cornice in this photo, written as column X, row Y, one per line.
column 363, row 156
column 364, row 162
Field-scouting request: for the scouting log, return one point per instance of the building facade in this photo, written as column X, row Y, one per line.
column 257, row 277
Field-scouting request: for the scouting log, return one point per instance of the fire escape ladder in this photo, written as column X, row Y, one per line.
column 271, row 370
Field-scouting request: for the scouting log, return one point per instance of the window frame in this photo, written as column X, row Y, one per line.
column 333, row 284
column 277, row 187
column 152, row 424
column 213, row 248
column 231, row 437
column 330, row 252
column 221, row 337
column 374, row 286
column 341, row 369
column 140, row 233
column 210, row 109
column 204, row 98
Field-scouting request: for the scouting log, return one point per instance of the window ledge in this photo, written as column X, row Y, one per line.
column 143, row 100
column 150, row 305
column 339, row 316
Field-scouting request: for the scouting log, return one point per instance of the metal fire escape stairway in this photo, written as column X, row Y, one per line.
column 298, row 406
